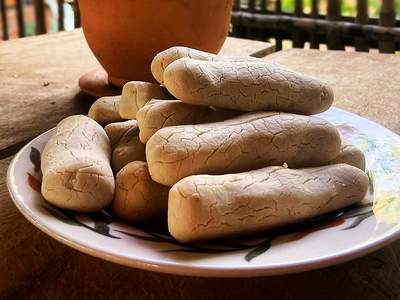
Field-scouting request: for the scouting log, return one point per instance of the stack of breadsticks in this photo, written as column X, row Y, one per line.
column 222, row 146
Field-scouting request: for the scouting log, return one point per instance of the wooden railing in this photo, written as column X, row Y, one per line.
column 264, row 19
column 257, row 20
column 39, row 14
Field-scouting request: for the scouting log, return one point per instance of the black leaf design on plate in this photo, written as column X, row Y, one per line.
column 260, row 249
column 59, row 215
column 100, row 227
column 357, row 210
column 100, row 230
column 142, row 237
column 158, row 232
column 101, row 217
column 371, row 182
column 69, row 217
column 358, row 220
column 34, row 157
column 199, row 250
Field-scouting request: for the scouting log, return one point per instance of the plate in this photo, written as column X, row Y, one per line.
column 323, row 241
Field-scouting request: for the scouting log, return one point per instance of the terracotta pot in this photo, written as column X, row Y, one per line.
column 125, row 35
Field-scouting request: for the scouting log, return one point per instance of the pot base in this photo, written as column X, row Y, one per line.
column 95, row 83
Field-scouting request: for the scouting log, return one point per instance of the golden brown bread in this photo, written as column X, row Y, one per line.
column 158, row 114
column 105, row 110
column 351, row 155
column 205, row 207
column 76, row 166
column 135, row 94
column 243, row 143
column 137, row 196
column 246, row 86
column 124, row 137
column 163, row 59
column 117, row 130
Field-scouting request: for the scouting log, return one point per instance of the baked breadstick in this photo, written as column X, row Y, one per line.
column 137, row 196
column 159, row 113
column 105, row 110
column 166, row 57
column 124, row 137
column 205, row 207
column 246, row 86
column 239, row 144
column 76, row 166
column 135, row 94
column 116, row 131
column 351, row 155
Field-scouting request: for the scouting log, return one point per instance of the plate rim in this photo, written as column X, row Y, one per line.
column 160, row 266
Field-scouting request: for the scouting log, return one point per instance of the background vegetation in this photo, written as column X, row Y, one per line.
column 349, row 7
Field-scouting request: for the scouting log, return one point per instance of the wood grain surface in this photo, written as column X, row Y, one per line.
column 25, row 251
column 367, row 84
column 38, row 84
column 34, row 266
column 82, row 277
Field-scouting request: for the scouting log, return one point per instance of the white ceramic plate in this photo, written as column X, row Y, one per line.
column 324, row 241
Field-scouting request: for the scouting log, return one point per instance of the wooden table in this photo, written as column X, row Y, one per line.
column 38, row 87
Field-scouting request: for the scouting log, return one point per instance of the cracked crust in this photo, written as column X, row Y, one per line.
column 135, row 94
column 158, row 114
column 105, row 110
column 205, row 207
column 127, row 147
column 351, row 155
column 137, row 196
column 163, row 59
column 76, row 166
column 128, row 151
column 246, row 86
column 243, row 143
column 118, row 130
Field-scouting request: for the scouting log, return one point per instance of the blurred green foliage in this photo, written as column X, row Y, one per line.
column 349, row 7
